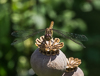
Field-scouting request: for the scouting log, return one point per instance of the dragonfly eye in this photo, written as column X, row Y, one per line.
column 46, row 35
column 50, row 35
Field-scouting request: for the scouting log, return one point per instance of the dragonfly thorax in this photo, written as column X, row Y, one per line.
column 48, row 34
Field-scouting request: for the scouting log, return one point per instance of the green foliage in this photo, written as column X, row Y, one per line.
column 77, row 16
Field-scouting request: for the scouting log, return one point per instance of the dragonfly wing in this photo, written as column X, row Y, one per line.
column 18, row 33
column 74, row 37
column 24, row 34
column 19, row 40
column 77, row 36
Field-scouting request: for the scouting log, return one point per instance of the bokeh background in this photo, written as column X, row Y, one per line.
column 77, row 16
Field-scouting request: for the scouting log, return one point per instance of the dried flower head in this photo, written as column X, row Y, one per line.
column 50, row 47
column 72, row 64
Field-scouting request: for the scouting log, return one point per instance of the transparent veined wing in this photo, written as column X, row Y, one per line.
column 77, row 38
column 24, row 34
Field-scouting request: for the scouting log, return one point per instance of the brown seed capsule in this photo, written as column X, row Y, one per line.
column 44, row 65
column 72, row 68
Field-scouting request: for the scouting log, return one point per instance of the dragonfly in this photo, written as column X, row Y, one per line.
column 25, row 34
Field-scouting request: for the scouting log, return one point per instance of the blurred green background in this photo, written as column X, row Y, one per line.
column 77, row 16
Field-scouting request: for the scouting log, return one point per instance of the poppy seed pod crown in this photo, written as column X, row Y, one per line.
column 49, row 47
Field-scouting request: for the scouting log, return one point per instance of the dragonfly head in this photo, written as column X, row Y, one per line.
column 48, row 34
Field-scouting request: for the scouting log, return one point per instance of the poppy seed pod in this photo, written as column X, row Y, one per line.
column 44, row 65
column 72, row 68
column 48, row 59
